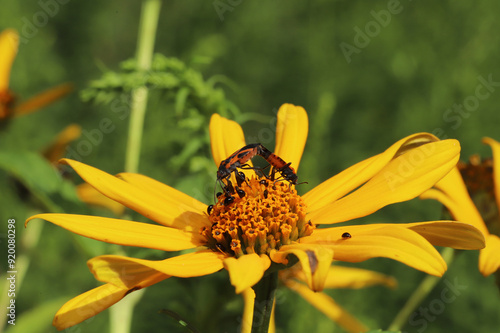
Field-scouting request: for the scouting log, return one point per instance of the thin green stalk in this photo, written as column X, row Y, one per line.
column 121, row 315
column 422, row 291
column 27, row 243
column 122, row 312
column 145, row 46
column 264, row 298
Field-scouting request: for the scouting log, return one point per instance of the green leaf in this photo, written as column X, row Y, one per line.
column 41, row 178
column 38, row 319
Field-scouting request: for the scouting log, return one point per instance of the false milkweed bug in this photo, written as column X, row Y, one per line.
column 286, row 171
column 239, row 159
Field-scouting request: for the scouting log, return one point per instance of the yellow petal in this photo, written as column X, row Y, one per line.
column 349, row 179
column 356, row 278
column 402, row 179
column 43, row 99
column 122, row 272
column 495, row 147
column 9, row 42
column 452, row 193
column 57, row 149
column 226, row 137
column 382, row 240
column 489, row 257
column 164, row 192
column 124, row 232
column 249, row 301
column 461, row 236
column 272, row 319
column 314, row 259
column 91, row 196
column 247, row 270
column 177, row 212
column 87, row 305
column 329, row 307
column 291, row 133
column 98, row 299
column 118, row 269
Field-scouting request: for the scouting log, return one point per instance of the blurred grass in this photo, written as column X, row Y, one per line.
column 427, row 59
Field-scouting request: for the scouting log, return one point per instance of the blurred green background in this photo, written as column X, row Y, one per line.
column 368, row 73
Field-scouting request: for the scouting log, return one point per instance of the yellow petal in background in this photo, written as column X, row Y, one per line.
column 246, row 270
column 43, row 99
column 384, row 240
column 356, row 278
column 452, row 193
column 9, row 42
column 403, row 178
column 56, row 150
column 315, row 261
column 124, row 232
column 169, row 213
column 489, row 257
column 291, row 133
column 329, row 307
column 349, row 179
column 495, row 147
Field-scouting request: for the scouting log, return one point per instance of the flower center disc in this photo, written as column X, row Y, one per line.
column 478, row 178
column 270, row 215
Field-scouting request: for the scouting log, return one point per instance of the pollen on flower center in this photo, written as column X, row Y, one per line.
column 269, row 215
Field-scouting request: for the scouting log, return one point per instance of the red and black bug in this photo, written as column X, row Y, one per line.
column 239, row 159
column 286, row 171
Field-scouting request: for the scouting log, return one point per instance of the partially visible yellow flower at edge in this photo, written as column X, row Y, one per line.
column 9, row 43
column 87, row 194
column 338, row 277
column 271, row 227
column 452, row 193
column 56, row 150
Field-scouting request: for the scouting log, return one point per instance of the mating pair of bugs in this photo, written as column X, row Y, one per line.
column 240, row 158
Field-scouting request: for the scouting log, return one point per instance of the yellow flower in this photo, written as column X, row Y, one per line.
column 259, row 231
column 451, row 191
column 56, row 150
column 338, row 277
column 89, row 195
column 9, row 42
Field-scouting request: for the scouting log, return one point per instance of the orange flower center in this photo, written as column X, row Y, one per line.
column 478, row 178
column 6, row 103
column 269, row 215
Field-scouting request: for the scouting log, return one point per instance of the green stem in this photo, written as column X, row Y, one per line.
column 422, row 291
column 121, row 315
column 122, row 312
column 28, row 243
column 150, row 13
column 264, row 299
